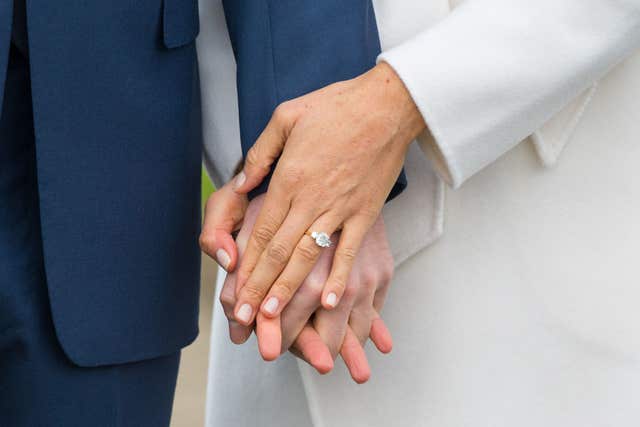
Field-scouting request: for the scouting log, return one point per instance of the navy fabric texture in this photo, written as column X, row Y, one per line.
column 287, row 48
column 39, row 385
column 118, row 160
column 116, row 117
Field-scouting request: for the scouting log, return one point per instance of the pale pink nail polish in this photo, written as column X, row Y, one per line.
column 223, row 258
column 271, row 305
column 332, row 299
column 244, row 313
column 240, row 179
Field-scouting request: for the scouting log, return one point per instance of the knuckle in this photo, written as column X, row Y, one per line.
column 227, row 301
column 368, row 212
column 347, row 254
column 207, row 242
column 387, row 274
column 244, row 272
column 262, row 235
column 252, row 156
column 278, row 253
column 283, row 114
column 253, row 292
column 313, row 289
column 370, row 278
column 349, row 293
column 292, row 174
column 308, row 252
column 255, row 160
column 285, row 288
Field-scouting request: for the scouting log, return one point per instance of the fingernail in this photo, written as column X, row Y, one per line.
column 271, row 305
column 244, row 313
column 223, row 258
column 332, row 299
column 240, row 179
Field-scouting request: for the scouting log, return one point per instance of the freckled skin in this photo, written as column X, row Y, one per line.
column 356, row 133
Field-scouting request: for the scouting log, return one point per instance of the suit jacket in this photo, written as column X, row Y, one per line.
column 116, row 118
column 487, row 75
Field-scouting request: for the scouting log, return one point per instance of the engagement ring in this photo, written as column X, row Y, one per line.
column 322, row 239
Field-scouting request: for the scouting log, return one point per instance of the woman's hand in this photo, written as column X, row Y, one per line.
column 223, row 214
column 341, row 150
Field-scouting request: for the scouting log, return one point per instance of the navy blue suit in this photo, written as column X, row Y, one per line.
column 99, row 186
column 115, row 104
column 99, row 209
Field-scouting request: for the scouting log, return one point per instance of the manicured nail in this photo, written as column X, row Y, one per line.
column 223, row 258
column 332, row 299
column 271, row 305
column 244, row 313
column 240, row 179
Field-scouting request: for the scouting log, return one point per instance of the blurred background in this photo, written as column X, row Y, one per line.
column 188, row 406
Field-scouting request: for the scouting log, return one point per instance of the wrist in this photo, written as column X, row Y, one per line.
column 396, row 101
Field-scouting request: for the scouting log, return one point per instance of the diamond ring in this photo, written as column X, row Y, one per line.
column 321, row 238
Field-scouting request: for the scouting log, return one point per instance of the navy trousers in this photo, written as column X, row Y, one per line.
column 39, row 385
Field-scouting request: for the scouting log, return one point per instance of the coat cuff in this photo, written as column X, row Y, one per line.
column 485, row 78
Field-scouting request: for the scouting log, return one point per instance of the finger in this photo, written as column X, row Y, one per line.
column 355, row 358
column 273, row 260
column 332, row 325
column 269, row 337
column 271, row 216
column 237, row 333
column 301, row 308
column 309, row 347
column 301, row 263
column 380, row 297
column 227, row 296
column 224, row 212
column 361, row 318
column 381, row 336
column 269, row 219
column 265, row 150
column 348, row 246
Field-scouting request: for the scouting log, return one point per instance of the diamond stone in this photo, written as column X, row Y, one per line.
column 322, row 239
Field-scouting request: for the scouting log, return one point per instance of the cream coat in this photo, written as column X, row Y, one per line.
column 524, row 312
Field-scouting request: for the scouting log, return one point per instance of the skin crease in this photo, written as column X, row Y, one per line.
column 309, row 331
column 340, row 150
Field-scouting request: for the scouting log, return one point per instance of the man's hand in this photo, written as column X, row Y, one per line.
column 318, row 342
column 341, row 149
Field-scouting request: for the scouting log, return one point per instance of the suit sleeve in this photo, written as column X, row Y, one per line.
column 494, row 71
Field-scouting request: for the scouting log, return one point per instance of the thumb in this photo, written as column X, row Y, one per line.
column 224, row 212
column 265, row 151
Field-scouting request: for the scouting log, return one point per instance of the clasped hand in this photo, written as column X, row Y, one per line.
column 339, row 150
column 311, row 332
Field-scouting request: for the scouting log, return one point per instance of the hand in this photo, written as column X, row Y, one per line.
column 343, row 330
column 342, row 148
column 223, row 214
column 225, row 210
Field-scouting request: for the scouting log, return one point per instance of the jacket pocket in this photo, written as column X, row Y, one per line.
column 181, row 23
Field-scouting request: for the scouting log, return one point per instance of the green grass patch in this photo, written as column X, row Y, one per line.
column 207, row 187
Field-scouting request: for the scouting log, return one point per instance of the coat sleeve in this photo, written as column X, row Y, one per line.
column 494, row 71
